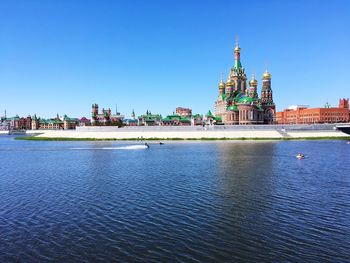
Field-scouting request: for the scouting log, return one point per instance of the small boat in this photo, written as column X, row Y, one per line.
column 161, row 143
column 300, row 156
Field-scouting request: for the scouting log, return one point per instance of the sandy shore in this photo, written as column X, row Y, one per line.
column 232, row 134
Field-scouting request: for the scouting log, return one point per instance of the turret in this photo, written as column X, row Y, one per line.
column 229, row 86
column 106, row 115
column 133, row 114
column 221, row 87
column 237, row 72
column 266, row 91
column 35, row 123
column 237, row 64
column 344, row 103
column 267, row 100
column 94, row 113
column 253, row 84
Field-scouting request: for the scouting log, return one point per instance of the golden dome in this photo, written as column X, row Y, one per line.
column 253, row 81
column 266, row 75
column 229, row 82
column 221, row 84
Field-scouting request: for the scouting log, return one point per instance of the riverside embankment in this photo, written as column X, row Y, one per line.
column 277, row 132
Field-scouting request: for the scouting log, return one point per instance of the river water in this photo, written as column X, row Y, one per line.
column 177, row 202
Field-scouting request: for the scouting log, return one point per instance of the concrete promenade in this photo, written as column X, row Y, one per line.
column 197, row 132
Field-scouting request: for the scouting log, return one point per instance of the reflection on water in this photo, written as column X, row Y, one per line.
column 217, row 201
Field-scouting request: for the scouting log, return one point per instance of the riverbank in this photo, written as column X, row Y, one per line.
column 36, row 138
column 182, row 134
column 224, row 132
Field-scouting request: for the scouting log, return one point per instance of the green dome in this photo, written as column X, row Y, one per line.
column 232, row 107
column 246, row 100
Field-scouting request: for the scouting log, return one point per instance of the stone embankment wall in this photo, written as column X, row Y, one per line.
column 233, row 132
column 324, row 127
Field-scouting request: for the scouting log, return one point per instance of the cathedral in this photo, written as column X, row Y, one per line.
column 239, row 104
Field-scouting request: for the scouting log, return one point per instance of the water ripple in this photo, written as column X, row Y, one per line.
column 182, row 202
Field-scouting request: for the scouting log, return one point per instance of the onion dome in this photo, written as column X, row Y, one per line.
column 229, row 81
column 253, row 82
column 266, row 75
column 221, row 85
column 246, row 100
column 233, row 108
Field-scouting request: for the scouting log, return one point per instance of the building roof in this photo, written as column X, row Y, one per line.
column 13, row 118
column 130, row 120
column 50, row 121
column 246, row 100
column 176, row 117
column 66, row 118
column 209, row 114
column 84, row 119
column 232, row 107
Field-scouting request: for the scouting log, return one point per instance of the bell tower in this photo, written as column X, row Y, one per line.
column 238, row 75
column 94, row 113
column 267, row 100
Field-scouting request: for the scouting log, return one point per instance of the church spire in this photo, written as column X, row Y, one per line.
column 237, row 64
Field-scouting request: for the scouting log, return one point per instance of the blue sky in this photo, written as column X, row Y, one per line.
column 62, row 56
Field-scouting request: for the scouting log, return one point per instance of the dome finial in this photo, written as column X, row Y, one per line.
column 221, row 83
column 267, row 74
column 237, row 48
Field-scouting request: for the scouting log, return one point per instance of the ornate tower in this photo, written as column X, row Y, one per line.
column 267, row 99
column 266, row 91
column 229, row 86
column 94, row 113
column 220, row 103
column 106, row 115
column 133, row 114
column 253, row 84
column 35, row 123
column 344, row 103
column 221, row 88
column 238, row 75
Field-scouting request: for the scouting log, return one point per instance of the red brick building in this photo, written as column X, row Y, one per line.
column 184, row 112
column 304, row 115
